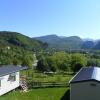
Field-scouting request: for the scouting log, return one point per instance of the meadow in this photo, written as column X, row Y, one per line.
column 44, row 91
column 37, row 94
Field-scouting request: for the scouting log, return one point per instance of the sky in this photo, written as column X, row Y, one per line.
column 43, row 17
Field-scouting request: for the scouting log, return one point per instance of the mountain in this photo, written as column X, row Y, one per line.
column 88, row 44
column 72, row 42
column 97, row 45
column 16, row 39
column 50, row 39
column 58, row 42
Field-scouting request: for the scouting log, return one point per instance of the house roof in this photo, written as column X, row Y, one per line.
column 87, row 74
column 8, row 69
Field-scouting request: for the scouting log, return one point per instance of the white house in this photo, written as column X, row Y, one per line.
column 85, row 85
column 9, row 78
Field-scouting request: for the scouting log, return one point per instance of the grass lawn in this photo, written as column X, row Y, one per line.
column 36, row 94
column 55, row 93
column 40, row 77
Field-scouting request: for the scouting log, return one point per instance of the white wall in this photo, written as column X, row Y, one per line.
column 84, row 91
column 7, row 86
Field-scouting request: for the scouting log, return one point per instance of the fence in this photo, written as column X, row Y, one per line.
column 46, row 84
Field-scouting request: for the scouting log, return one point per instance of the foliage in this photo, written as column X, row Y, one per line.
column 62, row 43
column 61, row 61
column 28, row 60
column 42, row 63
column 78, row 61
column 16, row 56
column 93, row 62
column 14, row 39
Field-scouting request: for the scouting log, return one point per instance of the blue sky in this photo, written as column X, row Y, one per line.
column 42, row 17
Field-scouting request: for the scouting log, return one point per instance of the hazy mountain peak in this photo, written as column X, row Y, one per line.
column 71, row 42
column 51, row 35
column 61, row 42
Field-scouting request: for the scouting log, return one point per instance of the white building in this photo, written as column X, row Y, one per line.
column 85, row 85
column 9, row 78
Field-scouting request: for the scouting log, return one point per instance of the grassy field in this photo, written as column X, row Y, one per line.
column 41, row 77
column 37, row 94
column 53, row 93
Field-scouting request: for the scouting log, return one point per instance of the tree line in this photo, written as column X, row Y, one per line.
column 49, row 60
column 65, row 61
column 16, row 56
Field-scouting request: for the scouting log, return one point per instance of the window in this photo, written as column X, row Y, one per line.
column 12, row 77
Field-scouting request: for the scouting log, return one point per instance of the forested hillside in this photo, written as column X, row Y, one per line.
column 69, row 43
column 15, row 39
column 62, row 43
column 18, row 49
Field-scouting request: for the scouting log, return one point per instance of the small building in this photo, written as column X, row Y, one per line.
column 9, row 78
column 85, row 85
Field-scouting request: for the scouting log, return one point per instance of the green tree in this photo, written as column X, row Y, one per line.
column 42, row 63
column 59, row 61
column 52, row 64
column 78, row 61
column 93, row 62
column 28, row 60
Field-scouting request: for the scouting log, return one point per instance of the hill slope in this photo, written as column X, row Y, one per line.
column 97, row 46
column 72, row 42
column 58, row 42
column 16, row 39
column 88, row 45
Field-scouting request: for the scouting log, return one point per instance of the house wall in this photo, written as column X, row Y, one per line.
column 85, row 91
column 7, row 86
